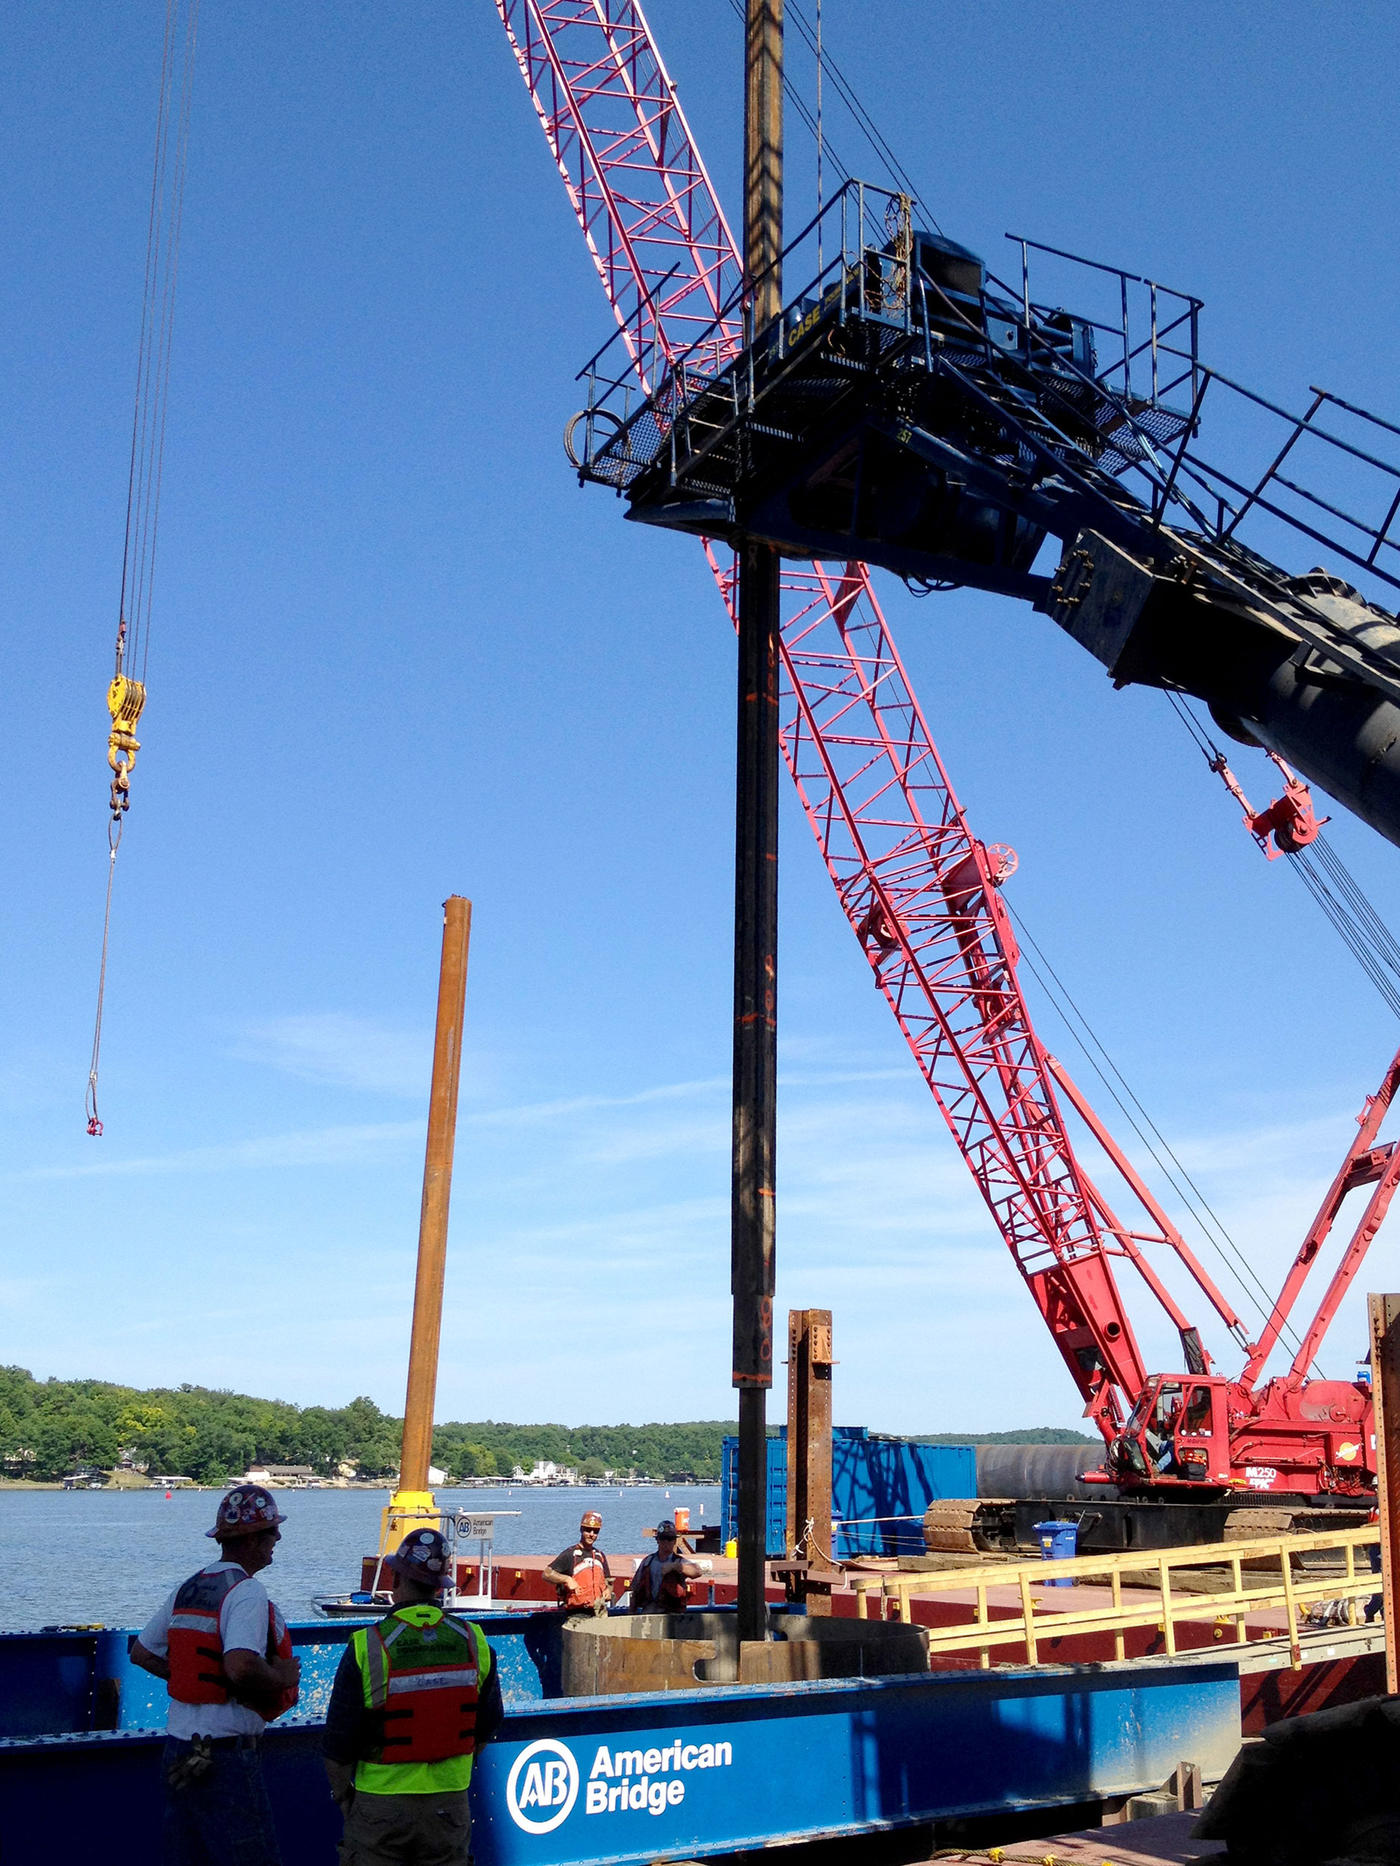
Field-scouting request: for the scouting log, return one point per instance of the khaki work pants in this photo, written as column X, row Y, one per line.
column 407, row 1830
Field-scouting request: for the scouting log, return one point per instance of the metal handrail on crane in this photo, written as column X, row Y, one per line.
column 919, row 889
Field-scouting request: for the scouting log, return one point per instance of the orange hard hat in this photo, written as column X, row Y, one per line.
column 590, row 1520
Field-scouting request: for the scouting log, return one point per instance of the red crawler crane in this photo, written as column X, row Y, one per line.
column 919, row 889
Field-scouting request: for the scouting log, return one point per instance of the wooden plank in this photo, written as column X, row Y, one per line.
column 1027, row 1622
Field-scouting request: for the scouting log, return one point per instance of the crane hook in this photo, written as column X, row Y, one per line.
column 126, row 699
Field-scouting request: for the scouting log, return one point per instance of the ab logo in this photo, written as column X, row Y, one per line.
column 542, row 1787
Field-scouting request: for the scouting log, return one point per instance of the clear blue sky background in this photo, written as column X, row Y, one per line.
column 397, row 653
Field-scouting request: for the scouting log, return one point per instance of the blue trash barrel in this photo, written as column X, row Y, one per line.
column 1058, row 1542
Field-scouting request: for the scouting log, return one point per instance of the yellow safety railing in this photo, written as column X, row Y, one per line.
column 1037, row 1621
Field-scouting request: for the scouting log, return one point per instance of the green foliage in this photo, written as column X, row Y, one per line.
column 669, row 1453
column 51, row 1427
column 463, row 1458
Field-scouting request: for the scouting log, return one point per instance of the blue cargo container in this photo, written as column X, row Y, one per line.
column 880, row 1488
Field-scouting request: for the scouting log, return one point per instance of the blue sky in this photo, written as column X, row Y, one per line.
column 397, row 653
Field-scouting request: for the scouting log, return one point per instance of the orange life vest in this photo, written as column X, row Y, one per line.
column 197, row 1673
column 423, row 1679
column 673, row 1590
column 589, row 1581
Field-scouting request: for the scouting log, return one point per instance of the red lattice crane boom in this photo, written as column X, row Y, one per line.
column 920, row 891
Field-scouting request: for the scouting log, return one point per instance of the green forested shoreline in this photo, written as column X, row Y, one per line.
column 49, row 1428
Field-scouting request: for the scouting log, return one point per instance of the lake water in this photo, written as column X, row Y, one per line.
column 112, row 1556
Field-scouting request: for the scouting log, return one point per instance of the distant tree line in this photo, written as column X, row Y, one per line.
column 49, row 1428
column 664, row 1452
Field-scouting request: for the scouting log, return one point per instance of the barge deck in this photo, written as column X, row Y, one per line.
column 641, row 1776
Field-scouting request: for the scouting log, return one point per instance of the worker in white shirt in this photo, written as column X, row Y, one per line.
column 226, row 1656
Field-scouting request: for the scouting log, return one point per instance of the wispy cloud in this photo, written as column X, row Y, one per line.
column 1296, row 1147
column 340, row 1050
column 524, row 1114
column 326, row 1146
column 33, row 1079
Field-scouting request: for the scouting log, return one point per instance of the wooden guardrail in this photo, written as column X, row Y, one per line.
column 1164, row 1608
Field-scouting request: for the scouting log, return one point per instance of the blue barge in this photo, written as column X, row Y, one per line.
column 632, row 1777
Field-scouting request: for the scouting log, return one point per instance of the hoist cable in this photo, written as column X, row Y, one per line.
column 1349, row 928
column 1333, row 887
column 1386, row 945
column 802, row 107
column 821, row 201
column 154, row 347
column 1251, row 1286
column 1203, row 742
column 864, row 122
column 114, row 836
column 1150, row 1136
column 845, row 90
column 1331, row 884
column 126, row 696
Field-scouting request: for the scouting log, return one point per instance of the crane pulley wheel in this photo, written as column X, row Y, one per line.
column 126, row 699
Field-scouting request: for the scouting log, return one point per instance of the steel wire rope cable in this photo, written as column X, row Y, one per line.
column 1332, row 885
column 866, row 124
column 1385, row 941
column 862, row 118
column 1334, row 888
column 810, row 118
column 144, row 473
column 1212, row 1226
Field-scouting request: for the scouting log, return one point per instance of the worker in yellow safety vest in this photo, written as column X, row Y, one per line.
column 414, row 1699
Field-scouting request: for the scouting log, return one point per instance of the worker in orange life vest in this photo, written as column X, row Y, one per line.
column 414, row 1698
column 226, row 1656
column 662, row 1582
column 581, row 1574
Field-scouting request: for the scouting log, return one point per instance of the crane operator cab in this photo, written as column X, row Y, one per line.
column 1178, row 1431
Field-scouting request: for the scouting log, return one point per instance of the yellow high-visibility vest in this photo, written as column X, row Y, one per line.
column 423, row 1665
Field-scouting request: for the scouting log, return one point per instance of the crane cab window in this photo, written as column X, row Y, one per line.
column 1168, row 1406
column 1159, row 1436
column 1196, row 1415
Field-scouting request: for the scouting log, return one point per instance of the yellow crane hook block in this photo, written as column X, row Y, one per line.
column 125, row 700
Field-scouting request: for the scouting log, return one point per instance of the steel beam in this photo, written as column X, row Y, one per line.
column 437, row 1195
column 809, row 1531
column 756, row 853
